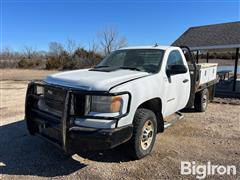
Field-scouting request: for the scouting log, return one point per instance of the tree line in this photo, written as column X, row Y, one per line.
column 72, row 55
column 69, row 55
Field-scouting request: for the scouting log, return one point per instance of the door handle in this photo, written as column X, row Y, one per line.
column 185, row 80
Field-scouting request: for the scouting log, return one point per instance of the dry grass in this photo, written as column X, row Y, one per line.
column 201, row 137
column 23, row 74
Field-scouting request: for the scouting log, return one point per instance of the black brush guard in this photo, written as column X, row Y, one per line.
column 62, row 132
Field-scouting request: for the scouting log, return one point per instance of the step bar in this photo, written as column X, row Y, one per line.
column 178, row 117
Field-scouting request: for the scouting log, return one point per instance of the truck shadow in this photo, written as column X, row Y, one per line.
column 118, row 154
column 188, row 110
column 22, row 154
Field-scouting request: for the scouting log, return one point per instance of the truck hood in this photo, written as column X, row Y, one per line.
column 93, row 80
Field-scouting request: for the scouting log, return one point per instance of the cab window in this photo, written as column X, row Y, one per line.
column 174, row 58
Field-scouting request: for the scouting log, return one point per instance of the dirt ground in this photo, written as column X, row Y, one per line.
column 23, row 74
column 201, row 137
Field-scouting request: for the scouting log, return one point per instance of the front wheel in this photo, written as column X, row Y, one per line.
column 144, row 133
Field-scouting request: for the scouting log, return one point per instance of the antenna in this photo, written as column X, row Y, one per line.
column 156, row 45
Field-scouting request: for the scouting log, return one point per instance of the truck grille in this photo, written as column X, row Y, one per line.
column 54, row 98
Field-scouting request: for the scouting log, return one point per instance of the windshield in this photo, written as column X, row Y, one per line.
column 147, row 60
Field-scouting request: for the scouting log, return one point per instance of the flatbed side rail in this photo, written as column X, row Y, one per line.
column 206, row 85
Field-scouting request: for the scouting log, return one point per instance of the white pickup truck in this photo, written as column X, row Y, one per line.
column 127, row 98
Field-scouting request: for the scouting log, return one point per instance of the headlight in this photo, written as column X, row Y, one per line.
column 106, row 104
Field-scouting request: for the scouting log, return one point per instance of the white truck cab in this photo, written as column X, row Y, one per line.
column 127, row 97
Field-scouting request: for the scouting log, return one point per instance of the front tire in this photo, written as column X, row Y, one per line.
column 144, row 133
column 201, row 100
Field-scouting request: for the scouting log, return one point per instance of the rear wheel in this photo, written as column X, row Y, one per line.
column 144, row 133
column 201, row 100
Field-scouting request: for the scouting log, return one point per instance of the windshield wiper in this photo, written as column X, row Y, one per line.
column 121, row 67
column 130, row 68
column 100, row 67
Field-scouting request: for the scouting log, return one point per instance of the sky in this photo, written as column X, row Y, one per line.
column 142, row 22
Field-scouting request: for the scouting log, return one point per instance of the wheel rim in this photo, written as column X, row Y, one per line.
column 147, row 134
column 205, row 99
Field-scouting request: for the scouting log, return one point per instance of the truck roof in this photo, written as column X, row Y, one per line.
column 148, row 47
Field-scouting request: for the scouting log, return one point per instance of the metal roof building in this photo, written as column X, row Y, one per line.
column 213, row 37
column 225, row 35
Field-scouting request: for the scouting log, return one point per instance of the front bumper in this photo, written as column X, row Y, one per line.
column 98, row 139
column 63, row 133
column 82, row 138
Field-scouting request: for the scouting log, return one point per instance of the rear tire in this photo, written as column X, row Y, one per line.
column 144, row 133
column 201, row 100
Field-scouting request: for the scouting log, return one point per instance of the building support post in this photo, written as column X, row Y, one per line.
column 235, row 69
column 197, row 56
column 207, row 57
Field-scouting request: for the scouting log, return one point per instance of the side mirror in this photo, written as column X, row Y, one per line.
column 176, row 69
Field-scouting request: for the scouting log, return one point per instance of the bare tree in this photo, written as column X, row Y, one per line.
column 6, row 53
column 93, row 51
column 110, row 40
column 93, row 47
column 55, row 48
column 28, row 52
column 122, row 42
column 71, row 46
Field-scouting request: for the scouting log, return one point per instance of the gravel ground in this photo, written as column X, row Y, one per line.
column 201, row 137
column 233, row 101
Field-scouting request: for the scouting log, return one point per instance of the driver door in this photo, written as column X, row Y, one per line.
column 177, row 85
